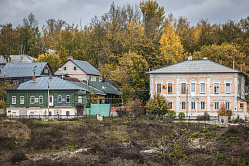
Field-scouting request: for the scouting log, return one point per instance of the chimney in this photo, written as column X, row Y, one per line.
column 70, row 57
column 190, row 58
column 50, row 76
column 34, row 77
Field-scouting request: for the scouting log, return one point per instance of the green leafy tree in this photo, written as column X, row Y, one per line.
column 158, row 105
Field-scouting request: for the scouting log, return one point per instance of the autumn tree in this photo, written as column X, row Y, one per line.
column 170, row 46
column 158, row 105
column 52, row 58
column 224, row 55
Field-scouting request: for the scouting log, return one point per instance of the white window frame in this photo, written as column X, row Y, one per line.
column 241, row 105
column 59, row 97
column 159, row 86
column 159, row 82
column 191, row 106
column 68, row 97
column 169, row 87
column 215, row 89
column 183, row 103
column 191, row 87
column 13, row 99
column 32, row 98
column 201, row 102
column 202, row 83
column 216, row 104
column 182, row 92
column 227, row 105
column 228, row 90
column 21, row 100
column 40, row 99
column 65, row 68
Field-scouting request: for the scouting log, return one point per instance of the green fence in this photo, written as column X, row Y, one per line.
column 102, row 109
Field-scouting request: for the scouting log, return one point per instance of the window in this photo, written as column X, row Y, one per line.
column 158, row 87
column 13, row 99
column 46, row 71
column 64, row 68
column 79, row 99
column 67, row 113
column 192, row 87
column 40, row 99
column 68, row 99
column 97, row 79
column 202, row 105
column 50, row 113
column 184, row 88
column 216, row 87
column 183, row 105
column 241, row 105
column 216, row 105
column 74, row 68
column 192, row 105
column 228, row 105
column 90, row 78
column 170, row 90
column 59, row 99
column 21, row 99
column 228, row 88
column 202, row 86
column 32, row 99
column 170, row 105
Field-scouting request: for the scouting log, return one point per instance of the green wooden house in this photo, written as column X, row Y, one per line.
column 45, row 96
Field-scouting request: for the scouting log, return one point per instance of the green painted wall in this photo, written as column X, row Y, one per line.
column 27, row 96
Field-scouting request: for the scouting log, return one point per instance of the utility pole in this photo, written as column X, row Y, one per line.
column 187, row 100
column 48, row 98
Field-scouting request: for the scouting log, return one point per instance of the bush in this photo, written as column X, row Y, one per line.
column 206, row 116
column 122, row 112
column 18, row 157
column 171, row 114
column 224, row 112
column 181, row 115
column 158, row 105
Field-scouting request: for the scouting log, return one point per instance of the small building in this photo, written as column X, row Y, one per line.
column 81, row 70
column 197, row 86
column 16, row 59
column 45, row 96
column 16, row 73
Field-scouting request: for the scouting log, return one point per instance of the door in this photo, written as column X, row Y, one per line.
column 51, row 100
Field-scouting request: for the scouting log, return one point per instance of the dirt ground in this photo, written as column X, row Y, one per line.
column 120, row 142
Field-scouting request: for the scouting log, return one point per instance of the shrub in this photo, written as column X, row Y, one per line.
column 181, row 115
column 136, row 108
column 171, row 114
column 158, row 105
column 206, row 116
column 122, row 112
column 17, row 157
column 224, row 112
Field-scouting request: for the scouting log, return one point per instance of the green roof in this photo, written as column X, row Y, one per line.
column 105, row 87
column 82, row 85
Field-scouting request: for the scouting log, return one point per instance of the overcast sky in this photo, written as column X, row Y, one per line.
column 74, row 11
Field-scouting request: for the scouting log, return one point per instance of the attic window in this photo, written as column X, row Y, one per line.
column 46, row 71
column 64, row 68
column 74, row 68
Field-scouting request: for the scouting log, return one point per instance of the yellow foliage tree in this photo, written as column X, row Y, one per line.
column 170, row 46
column 53, row 59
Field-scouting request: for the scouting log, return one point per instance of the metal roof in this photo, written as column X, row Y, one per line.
column 22, row 69
column 86, row 87
column 86, row 67
column 105, row 87
column 197, row 66
column 17, row 59
column 55, row 83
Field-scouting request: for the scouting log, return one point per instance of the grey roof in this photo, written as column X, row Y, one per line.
column 86, row 87
column 86, row 67
column 22, row 69
column 198, row 66
column 55, row 83
column 17, row 59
